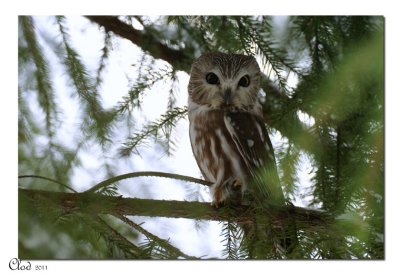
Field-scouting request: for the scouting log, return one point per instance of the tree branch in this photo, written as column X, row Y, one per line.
column 178, row 59
column 93, row 203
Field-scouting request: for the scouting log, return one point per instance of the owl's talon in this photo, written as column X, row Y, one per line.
column 217, row 205
column 236, row 185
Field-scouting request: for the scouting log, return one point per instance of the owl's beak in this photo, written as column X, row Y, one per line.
column 228, row 96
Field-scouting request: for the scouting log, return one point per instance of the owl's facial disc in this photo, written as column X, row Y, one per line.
column 224, row 81
column 232, row 93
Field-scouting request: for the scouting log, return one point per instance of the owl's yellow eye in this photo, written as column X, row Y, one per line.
column 244, row 81
column 212, row 79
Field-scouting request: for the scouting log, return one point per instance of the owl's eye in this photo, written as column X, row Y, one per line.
column 244, row 81
column 212, row 79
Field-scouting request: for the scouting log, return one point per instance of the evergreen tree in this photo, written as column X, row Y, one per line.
column 332, row 116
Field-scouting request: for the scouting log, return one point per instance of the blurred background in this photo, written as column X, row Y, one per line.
column 104, row 96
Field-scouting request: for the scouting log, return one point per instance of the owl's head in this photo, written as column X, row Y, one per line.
column 224, row 81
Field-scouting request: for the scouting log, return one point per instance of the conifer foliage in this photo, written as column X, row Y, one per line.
column 322, row 94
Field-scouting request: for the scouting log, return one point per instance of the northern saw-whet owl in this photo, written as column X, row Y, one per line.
column 227, row 129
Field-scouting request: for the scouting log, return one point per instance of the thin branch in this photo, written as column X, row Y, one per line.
column 47, row 179
column 162, row 242
column 124, row 244
column 107, row 182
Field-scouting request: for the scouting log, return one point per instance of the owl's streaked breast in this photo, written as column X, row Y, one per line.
column 214, row 149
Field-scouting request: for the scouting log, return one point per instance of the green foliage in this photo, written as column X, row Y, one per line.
column 338, row 67
column 289, row 159
column 165, row 124
column 33, row 52
column 97, row 121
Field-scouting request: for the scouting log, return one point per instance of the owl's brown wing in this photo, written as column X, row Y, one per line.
column 254, row 145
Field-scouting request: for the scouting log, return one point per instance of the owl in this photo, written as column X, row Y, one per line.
column 227, row 131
